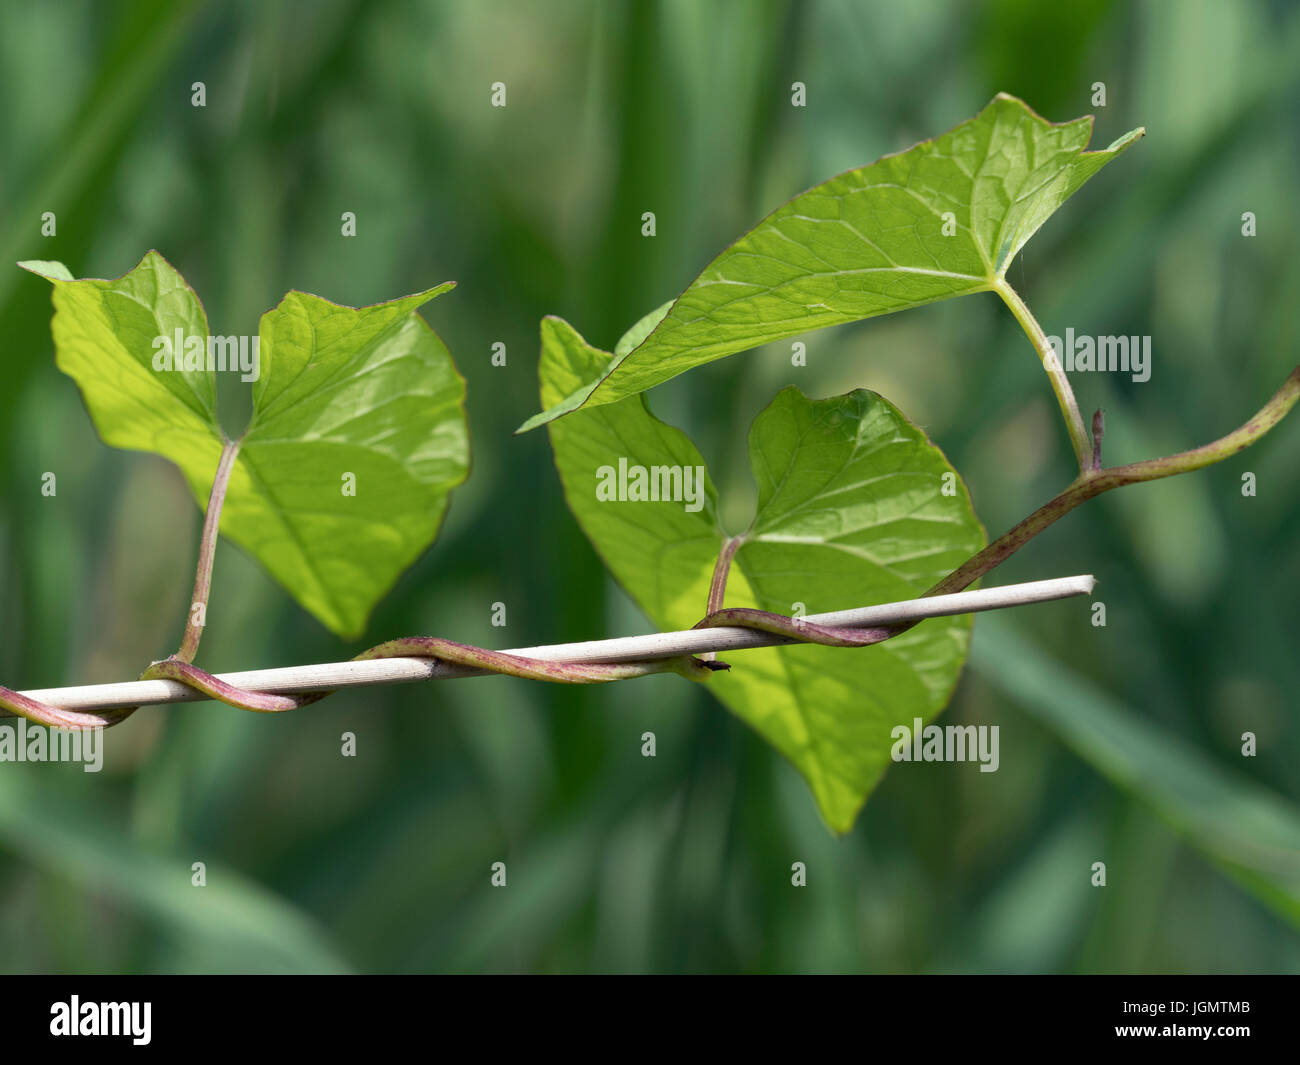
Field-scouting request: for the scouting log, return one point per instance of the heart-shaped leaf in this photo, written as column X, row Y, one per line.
column 357, row 436
column 944, row 218
column 855, row 507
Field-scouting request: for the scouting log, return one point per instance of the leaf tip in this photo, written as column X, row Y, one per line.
column 535, row 422
column 416, row 299
column 47, row 268
column 1131, row 137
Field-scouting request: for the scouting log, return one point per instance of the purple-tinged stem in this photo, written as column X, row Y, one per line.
column 197, row 616
column 1092, row 483
column 718, row 586
column 1098, row 429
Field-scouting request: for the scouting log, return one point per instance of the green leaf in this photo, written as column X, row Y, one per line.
column 851, row 511
column 103, row 339
column 369, row 392
column 944, row 218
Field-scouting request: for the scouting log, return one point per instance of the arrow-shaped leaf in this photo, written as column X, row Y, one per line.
column 357, row 436
column 855, row 507
column 944, row 218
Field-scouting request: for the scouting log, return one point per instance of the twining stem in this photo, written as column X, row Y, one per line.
column 718, row 586
column 423, row 658
column 751, row 628
column 1093, row 482
column 1055, row 372
column 207, row 552
column 620, row 658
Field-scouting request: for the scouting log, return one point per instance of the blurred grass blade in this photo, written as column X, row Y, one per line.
column 1244, row 829
column 147, row 36
column 232, row 917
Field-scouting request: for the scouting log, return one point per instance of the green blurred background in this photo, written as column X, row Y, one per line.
column 1118, row 744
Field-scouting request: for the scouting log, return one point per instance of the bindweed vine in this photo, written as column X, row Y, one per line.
column 358, row 437
column 1091, row 483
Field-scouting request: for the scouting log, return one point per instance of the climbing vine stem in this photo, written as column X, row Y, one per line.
column 1093, row 482
column 207, row 552
column 742, row 627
